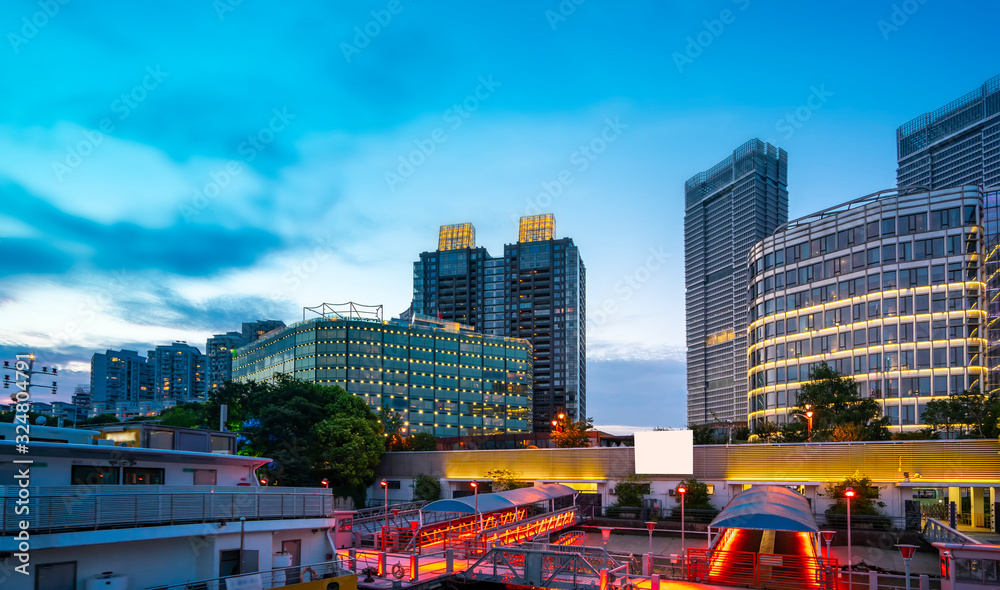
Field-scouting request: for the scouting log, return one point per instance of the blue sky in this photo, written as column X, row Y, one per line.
column 172, row 169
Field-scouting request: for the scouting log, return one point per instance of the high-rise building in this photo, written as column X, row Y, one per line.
column 536, row 291
column 119, row 376
column 219, row 350
column 889, row 289
column 728, row 208
column 443, row 377
column 82, row 402
column 956, row 145
column 179, row 372
column 219, row 357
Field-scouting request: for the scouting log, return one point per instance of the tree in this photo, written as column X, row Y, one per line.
column 186, row 415
column 703, row 435
column 793, row 432
column 100, row 419
column 504, row 479
column 971, row 413
column 312, row 432
column 393, row 430
column 568, row 434
column 631, row 490
column 426, row 488
column 942, row 414
column 865, row 502
column 241, row 400
column 922, row 434
column 423, row 441
column 834, row 402
column 767, row 431
column 741, row 433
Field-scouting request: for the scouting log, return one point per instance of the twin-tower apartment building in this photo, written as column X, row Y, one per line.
column 893, row 289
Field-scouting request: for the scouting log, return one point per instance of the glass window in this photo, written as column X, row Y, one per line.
column 923, row 358
column 889, row 226
column 94, row 475
column 923, row 331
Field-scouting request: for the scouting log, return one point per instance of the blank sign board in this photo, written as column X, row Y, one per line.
column 664, row 452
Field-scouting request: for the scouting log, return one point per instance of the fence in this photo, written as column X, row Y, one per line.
column 91, row 511
column 268, row 578
column 742, row 568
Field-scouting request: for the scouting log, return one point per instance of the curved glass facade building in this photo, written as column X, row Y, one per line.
column 889, row 289
column 443, row 379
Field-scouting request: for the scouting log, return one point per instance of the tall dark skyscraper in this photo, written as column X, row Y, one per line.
column 728, row 208
column 536, row 291
column 956, row 145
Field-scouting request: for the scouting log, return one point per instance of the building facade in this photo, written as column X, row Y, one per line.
column 956, row 145
column 220, row 347
column 444, row 379
column 728, row 208
column 535, row 291
column 889, row 288
column 119, row 376
column 179, row 372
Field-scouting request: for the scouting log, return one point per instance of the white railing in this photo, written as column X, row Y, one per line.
column 92, row 508
column 274, row 578
column 936, row 531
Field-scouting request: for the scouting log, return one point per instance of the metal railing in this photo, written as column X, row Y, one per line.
column 936, row 531
column 274, row 578
column 95, row 511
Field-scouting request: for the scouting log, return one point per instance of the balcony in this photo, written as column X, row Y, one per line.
column 75, row 508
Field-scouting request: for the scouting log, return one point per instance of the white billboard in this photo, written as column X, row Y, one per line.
column 664, row 452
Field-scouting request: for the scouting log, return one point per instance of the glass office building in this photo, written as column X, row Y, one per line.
column 444, row 379
column 956, row 145
column 889, row 289
column 728, row 208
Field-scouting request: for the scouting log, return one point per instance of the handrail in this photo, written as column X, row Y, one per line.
column 99, row 511
column 936, row 531
column 325, row 568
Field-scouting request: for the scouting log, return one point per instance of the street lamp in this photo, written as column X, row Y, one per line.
column 385, row 491
column 325, row 482
column 682, row 490
column 828, row 537
column 849, row 493
column 650, row 525
column 475, row 494
column 809, row 424
column 907, row 552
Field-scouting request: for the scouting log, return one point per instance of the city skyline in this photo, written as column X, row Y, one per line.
column 353, row 147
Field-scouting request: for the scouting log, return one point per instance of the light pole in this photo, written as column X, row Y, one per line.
column 243, row 522
column 682, row 490
column 907, row 552
column 475, row 494
column 849, row 493
column 828, row 537
column 385, row 492
column 650, row 525
column 809, row 424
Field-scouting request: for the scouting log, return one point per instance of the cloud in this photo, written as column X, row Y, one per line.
column 179, row 248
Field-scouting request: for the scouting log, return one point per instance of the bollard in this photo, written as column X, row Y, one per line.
column 414, row 567
column 654, row 582
column 647, row 564
column 382, row 565
column 872, row 580
column 449, row 560
column 925, row 582
column 352, row 563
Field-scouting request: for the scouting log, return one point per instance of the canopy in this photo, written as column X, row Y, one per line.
column 501, row 500
column 770, row 508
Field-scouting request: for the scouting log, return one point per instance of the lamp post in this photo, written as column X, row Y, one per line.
column 243, row 522
column 828, row 537
column 809, row 424
column 907, row 552
column 649, row 526
column 682, row 490
column 385, row 492
column 849, row 493
column 475, row 498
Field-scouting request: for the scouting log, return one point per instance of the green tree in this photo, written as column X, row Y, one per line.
column 865, row 504
column 631, row 490
column 741, row 433
column 835, row 402
column 696, row 497
column 423, row 441
column 100, row 419
column 942, row 414
column 704, row 435
column 242, row 401
column 312, row 432
column 767, row 431
column 504, row 479
column 186, row 415
column 426, row 488
column 979, row 412
column 568, row 434
column 793, row 432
